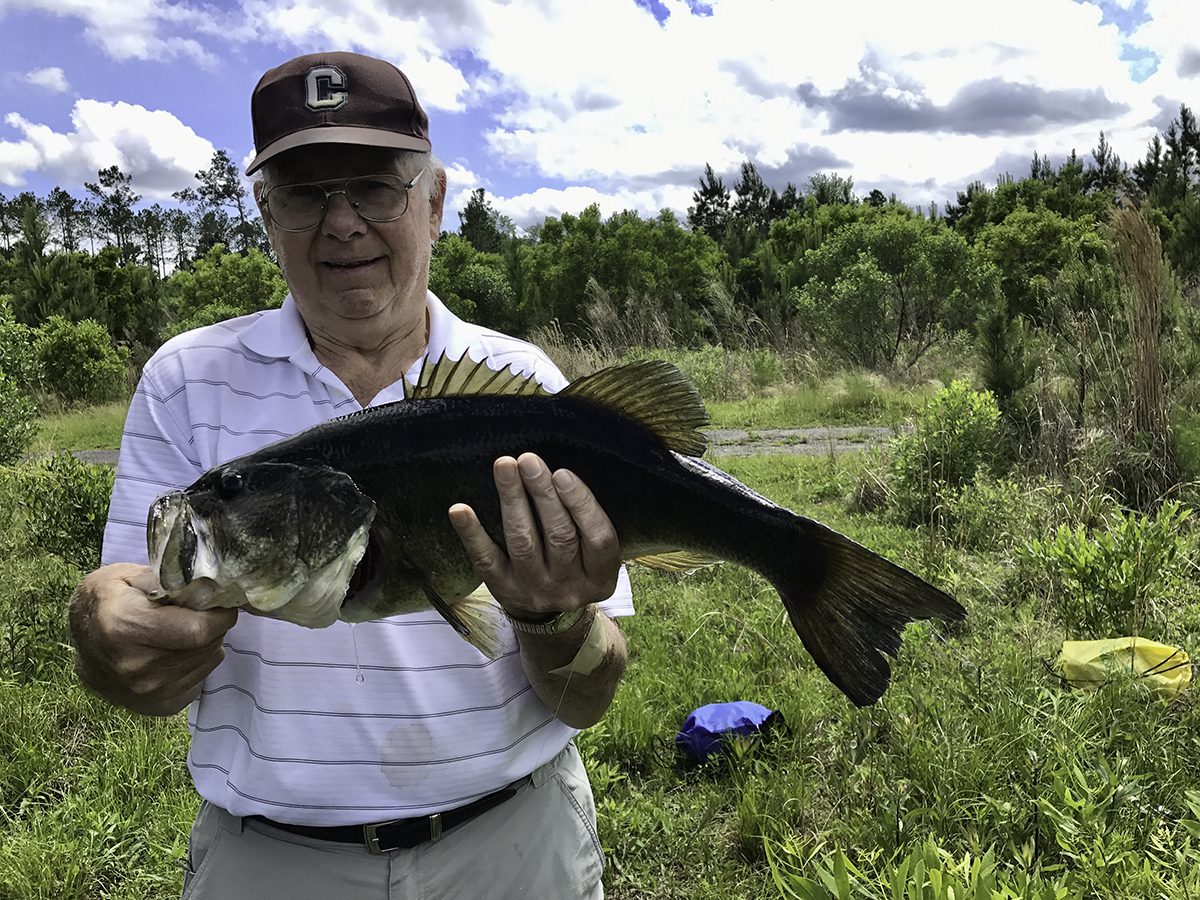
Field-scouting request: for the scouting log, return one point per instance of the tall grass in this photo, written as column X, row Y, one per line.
column 90, row 428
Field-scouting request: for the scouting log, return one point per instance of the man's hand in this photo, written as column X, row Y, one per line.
column 145, row 656
column 572, row 560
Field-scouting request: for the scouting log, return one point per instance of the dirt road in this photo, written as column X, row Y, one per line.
column 726, row 442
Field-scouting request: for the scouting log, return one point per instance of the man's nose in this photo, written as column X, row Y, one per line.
column 341, row 220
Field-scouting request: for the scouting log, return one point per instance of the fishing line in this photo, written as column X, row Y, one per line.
column 359, row 677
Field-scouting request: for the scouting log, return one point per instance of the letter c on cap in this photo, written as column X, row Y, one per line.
column 325, row 88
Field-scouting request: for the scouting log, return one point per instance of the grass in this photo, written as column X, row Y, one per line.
column 92, row 428
column 978, row 772
column 848, row 399
column 977, row 764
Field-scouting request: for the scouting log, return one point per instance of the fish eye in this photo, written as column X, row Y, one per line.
column 230, row 485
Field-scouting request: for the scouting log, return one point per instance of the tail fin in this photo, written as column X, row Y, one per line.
column 851, row 610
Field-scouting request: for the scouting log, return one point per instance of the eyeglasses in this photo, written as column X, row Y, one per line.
column 376, row 198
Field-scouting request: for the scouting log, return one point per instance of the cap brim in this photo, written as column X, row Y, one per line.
column 339, row 134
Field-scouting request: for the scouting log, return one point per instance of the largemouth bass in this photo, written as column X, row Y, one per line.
column 348, row 519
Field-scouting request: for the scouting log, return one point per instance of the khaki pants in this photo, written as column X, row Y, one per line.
column 540, row 844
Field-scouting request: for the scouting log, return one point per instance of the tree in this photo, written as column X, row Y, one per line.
column 237, row 283
column 220, row 189
column 1146, row 172
column 710, row 210
column 472, row 283
column 829, row 188
column 67, row 216
column 9, row 222
column 639, row 263
column 887, row 286
column 115, row 200
column 478, row 224
column 755, row 201
column 181, row 230
column 876, row 198
column 151, row 226
column 1030, row 248
column 1107, row 173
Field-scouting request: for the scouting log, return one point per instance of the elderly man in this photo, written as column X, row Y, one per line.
column 387, row 759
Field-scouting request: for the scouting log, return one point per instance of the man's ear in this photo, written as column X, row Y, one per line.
column 265, row 212
column 437, row 203
column 258, row 199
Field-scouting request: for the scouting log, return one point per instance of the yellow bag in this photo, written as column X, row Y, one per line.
column 1089, row 664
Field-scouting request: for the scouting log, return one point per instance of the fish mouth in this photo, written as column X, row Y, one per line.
column 368, row 574
column 171, row 540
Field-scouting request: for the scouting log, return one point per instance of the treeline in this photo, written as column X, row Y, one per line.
column 868, row 280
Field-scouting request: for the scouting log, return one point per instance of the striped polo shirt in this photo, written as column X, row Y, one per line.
column 357, row 723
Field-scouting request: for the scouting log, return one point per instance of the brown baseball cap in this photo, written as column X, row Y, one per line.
column 335, row 98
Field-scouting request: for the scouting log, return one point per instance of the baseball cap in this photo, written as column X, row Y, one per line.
column 335, row 98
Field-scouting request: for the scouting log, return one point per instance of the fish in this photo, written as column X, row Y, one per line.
column 348, row 520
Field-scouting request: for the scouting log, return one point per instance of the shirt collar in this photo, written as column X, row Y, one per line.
column 281, row 334
column 277, row 334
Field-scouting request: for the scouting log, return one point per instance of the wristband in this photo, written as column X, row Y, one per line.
column 591, row 652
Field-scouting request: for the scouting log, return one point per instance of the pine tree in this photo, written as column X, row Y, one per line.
column 1108, row 172
column 115, row 200
column 477, row 224
column 66, row 212
column 710, row 212
column 752, row 208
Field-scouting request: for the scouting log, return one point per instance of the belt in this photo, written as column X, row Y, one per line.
column 382, row 837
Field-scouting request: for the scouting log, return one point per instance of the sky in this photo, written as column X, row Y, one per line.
column 551, row 105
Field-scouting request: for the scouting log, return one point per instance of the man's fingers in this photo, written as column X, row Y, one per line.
column 488, row 559
column 599, row 543
column 521, row 537
column 178, row 628
column 560, row 538
column 174, row 674
column 141, row 578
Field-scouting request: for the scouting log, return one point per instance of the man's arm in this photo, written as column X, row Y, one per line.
column 569, row 563
column 578, row 700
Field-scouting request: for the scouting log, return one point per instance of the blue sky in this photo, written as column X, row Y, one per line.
column 551, row 105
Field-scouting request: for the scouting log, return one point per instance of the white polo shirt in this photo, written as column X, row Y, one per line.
column 348, row 724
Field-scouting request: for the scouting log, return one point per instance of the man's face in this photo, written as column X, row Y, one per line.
column 349, row 276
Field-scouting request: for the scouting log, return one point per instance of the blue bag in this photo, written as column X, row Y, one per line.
column 703, row 731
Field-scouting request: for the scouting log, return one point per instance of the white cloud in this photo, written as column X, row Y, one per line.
column 136, row 29
column 52, row 79
column 460, row 182
column 417, row 38
column 160, row 152
column 721, row 88
column 530, row 208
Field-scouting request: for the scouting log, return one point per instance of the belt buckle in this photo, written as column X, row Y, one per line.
column 371, row 837
column 371, row 834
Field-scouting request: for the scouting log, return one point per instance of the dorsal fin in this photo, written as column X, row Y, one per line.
column 464, row 376
column 656, row 395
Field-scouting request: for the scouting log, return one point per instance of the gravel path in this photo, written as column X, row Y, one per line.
column 725, row 442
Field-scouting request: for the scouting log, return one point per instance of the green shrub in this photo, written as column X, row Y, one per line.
column 16, row 353
column 62, row 505
column 78, row 362
column 957, row 434
column 16, row 420
column 992, row 514
column 1107, row 583
column 205, row 315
